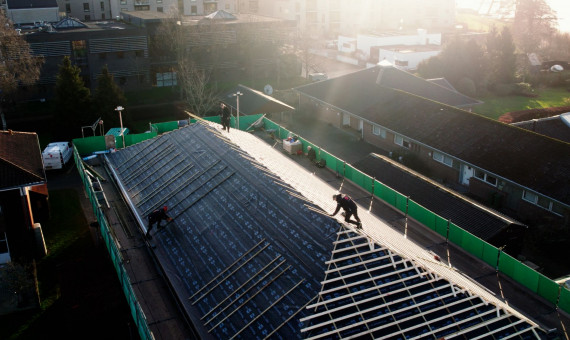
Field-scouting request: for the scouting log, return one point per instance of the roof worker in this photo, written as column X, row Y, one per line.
column 346, row 203
column 311, row 154
column 156, row 217
column 226, row 115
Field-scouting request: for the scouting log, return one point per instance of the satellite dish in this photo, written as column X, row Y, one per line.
column 557, row 68
column 268, row 90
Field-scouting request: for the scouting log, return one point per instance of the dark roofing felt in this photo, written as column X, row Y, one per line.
column 479, row 221
column 254, row 102
column 227, row 206
column 23, row 4
column 247, row 253
column 20, row 159
column 495, row 147
column 554, row 127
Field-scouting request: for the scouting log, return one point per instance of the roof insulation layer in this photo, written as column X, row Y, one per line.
column 251, row 242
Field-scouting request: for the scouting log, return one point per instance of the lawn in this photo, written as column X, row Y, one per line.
column 79, row 290
column 495, row 106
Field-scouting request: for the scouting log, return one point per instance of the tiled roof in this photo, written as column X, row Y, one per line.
column 20, row 159
column 467, row 214
column 500, row 149
column 555, row 127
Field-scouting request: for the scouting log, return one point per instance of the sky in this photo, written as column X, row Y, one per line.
column 562, row 8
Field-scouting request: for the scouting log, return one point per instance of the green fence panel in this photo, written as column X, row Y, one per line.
column 472, row 244
column 270, row 125
column 564, row 302
column 490, row 254
column 246, row 121
column 456, row 234
column 358, row 177
column 283, row 133
column 526, row 276
column 441, row 225
column 421, row 214
column 384, row 193
column 547, row 288
column 401, row 201
column 139, row 137
column 507, row 264
column 161, row 128
column 88, row 145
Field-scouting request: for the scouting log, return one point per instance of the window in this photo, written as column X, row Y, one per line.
column 123, row 2
column 485, row 177
column 68, row 8
column 442, row 158
column 402, row 142
column 542, row 202
column 140, row 53
column 227, row 7
column 159, row 9
column 193, row 10
column 85, row 7
column 166, row 79
column 378, row 131
column 102, row 6
column 158, row 1
column 401, row 62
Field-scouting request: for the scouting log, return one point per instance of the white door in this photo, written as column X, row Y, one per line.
column 345, row 119
column 466, row 174
column 361, row 127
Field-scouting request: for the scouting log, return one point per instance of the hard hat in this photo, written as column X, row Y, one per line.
column 165, row 208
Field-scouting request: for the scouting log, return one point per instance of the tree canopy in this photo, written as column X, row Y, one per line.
column 72, row 101
column 108, row 95
column 18, row 66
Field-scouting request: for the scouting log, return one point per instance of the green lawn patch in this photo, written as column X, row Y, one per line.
column 495, row 106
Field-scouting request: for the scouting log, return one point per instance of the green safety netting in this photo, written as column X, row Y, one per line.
column 421, row 214
column 526, row 276
column 547, row 288
column 456, row 234
column 359, row 178
column 161, row 128
column 507, row 264
column 490, row 254
column 441, row 225
column 384, row 193
column 564, row 302
column 88, row 145
column 472, row 244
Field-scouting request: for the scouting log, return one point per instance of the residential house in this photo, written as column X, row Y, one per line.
column 519, row 172
column 23, row 195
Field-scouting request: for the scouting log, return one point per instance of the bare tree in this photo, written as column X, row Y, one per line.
column 192, row 61
column 310, row 62
column 17, row 64
column 535, row 22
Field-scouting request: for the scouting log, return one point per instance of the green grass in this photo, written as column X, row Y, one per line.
column 496, row 106
column 479, row 23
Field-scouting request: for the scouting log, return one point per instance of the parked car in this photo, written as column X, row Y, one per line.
column 56, row 155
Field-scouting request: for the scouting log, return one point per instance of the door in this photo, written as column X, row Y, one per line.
column 345, row 119
column 466, row 174
column 361, row 128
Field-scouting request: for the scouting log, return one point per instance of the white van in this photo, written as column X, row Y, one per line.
column 56, row 155
column 318, row 76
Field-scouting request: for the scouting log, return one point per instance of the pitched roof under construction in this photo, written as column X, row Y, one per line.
column 250, row 244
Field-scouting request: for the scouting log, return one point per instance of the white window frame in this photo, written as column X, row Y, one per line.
column 539, row 201
column 401, row 141
column 481, row 175
column 439, row 157
column 378, row 131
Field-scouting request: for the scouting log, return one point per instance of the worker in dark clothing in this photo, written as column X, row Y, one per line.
column 346, row 203
column 311, row 154
column 226, row 115
column 156, row 217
